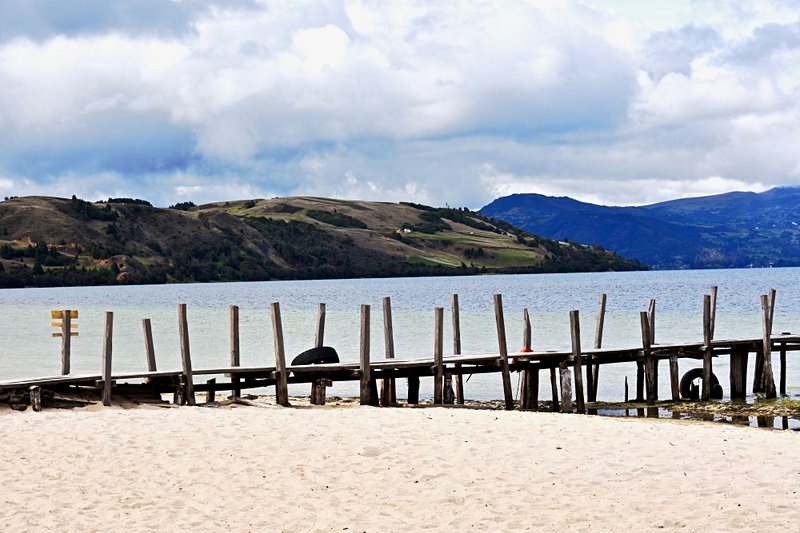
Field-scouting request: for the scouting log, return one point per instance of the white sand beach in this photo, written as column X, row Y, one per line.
column 403, row 469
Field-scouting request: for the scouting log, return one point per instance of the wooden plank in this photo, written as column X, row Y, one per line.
column 650, row 371
column 598, row 343
column 674, row 377
column 281, row 383
column 438, row 347
column 149, row 347
column 566, row 388
column 388, row 390
column 738, row 373
column 705, row 394
column 60, row 324
column 503, row 349
column 236, row 391
column 73, row 313
column 186, row 356
column 66, row 341
column 577, row 357
column 456, row 322
column 769, row 378
column 366, row 374
column 107, row 348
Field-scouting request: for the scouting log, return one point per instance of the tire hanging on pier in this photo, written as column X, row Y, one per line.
column 687, row 384
column 317, row 356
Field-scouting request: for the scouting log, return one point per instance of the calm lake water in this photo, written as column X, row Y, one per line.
column 29, row 350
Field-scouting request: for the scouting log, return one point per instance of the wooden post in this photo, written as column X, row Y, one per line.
column 713, row 295
column 649, row 363
column 449, row 395
column 282, row 381
column 388, row 391
column 438, row 365
column 783, row 365
column 566, row 388
column 598, row 343
column 457, row 347
column 626, row 389
column 319, row 338
column 705, row 395
column 639, row 381
column 769, row 379
column 413, row 390
column 503, row 349
column 554, row 388
column 738, row 374
column 66, row 340
column 186, row 357
column 107, row 348
column 366, row 370
column 211, row 393
column 526, row 347
column 651, row 317
column 236, row 391
column 673, row 378
column 149, row 348
column 35, row 393
column 577, row 364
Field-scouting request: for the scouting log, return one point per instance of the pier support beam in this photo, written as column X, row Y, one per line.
column 766, row 322
column 566, row 388
column 282, row 380
column 738, row 373
column 503, row 349
column 388, row 393
column 367, row 383
column 236, row 392
column 186, row 356
column 705, row 395
column 456, row 321
column 598, row 343
column 577, row 359
column 438, row 347
column 650, row 369
column 107, row 348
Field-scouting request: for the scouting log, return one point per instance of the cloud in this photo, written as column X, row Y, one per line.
column 436, row 102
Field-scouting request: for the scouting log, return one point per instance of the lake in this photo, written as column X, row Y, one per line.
column 28, row 349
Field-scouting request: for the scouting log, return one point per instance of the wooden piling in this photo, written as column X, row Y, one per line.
column 626, row 389
column 639, row 381
column 783, row 366
column 366, row 373
column 651, row 319
column 523, row 373
column 236, row 391
column 107, row 348
column 211, row 394
column 577, row 357
column 673, row 378
column 66, row 341
column 413, row 390
column 449, row 395
column 554, row 388
column 769, row 378
column 388, row 391
column 566, row 388
column 705, row 395
column 149, row 348
column 319, row 337
column 713, row 296
column 503, row 349
column 456, row 322
column 598, row 343
column 282, row 380
column 186, row 358
column 738, row 373
column 438, row 366
column 651, row 375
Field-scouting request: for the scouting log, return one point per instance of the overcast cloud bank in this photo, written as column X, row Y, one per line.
column 433, row 102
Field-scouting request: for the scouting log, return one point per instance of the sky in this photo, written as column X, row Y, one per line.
column 438, row 102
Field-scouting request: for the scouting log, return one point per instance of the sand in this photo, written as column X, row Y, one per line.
column 403, row 469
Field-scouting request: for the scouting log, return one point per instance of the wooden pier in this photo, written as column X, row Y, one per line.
column 574, row 373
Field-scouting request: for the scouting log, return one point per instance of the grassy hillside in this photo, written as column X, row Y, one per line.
column 53, row 241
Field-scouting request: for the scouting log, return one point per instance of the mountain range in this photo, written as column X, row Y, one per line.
column 731, row 230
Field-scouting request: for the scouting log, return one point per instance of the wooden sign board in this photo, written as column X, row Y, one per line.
column 59, row 324
column 71, row 334
column 60, row 314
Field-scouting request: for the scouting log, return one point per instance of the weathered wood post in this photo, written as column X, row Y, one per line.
column 554, row 388
column 577, row 357
column 318, row 391
column 186, row 357
column 738, row 374
column 673, row 378
column 282, row 380
column 503, row 349
column 529, row 377
column 566, row 388
column 438, row 364
column 149, row 347
column 649, row 362
column 783, row 365
column 456, row 321
column 388, row 392
column 107, row 348
column 713, row 294
column 651, row 317
column 705, row 395
column 66, row 340
column 759, row 377
column 236, row 391
column 766, row 322
column 366, row 369
column 598, row 343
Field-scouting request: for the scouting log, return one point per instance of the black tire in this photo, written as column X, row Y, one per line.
column 687, row 381
column 316, row 356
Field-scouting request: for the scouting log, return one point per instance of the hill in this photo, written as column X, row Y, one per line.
column 738, row 229
column 54, row 241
